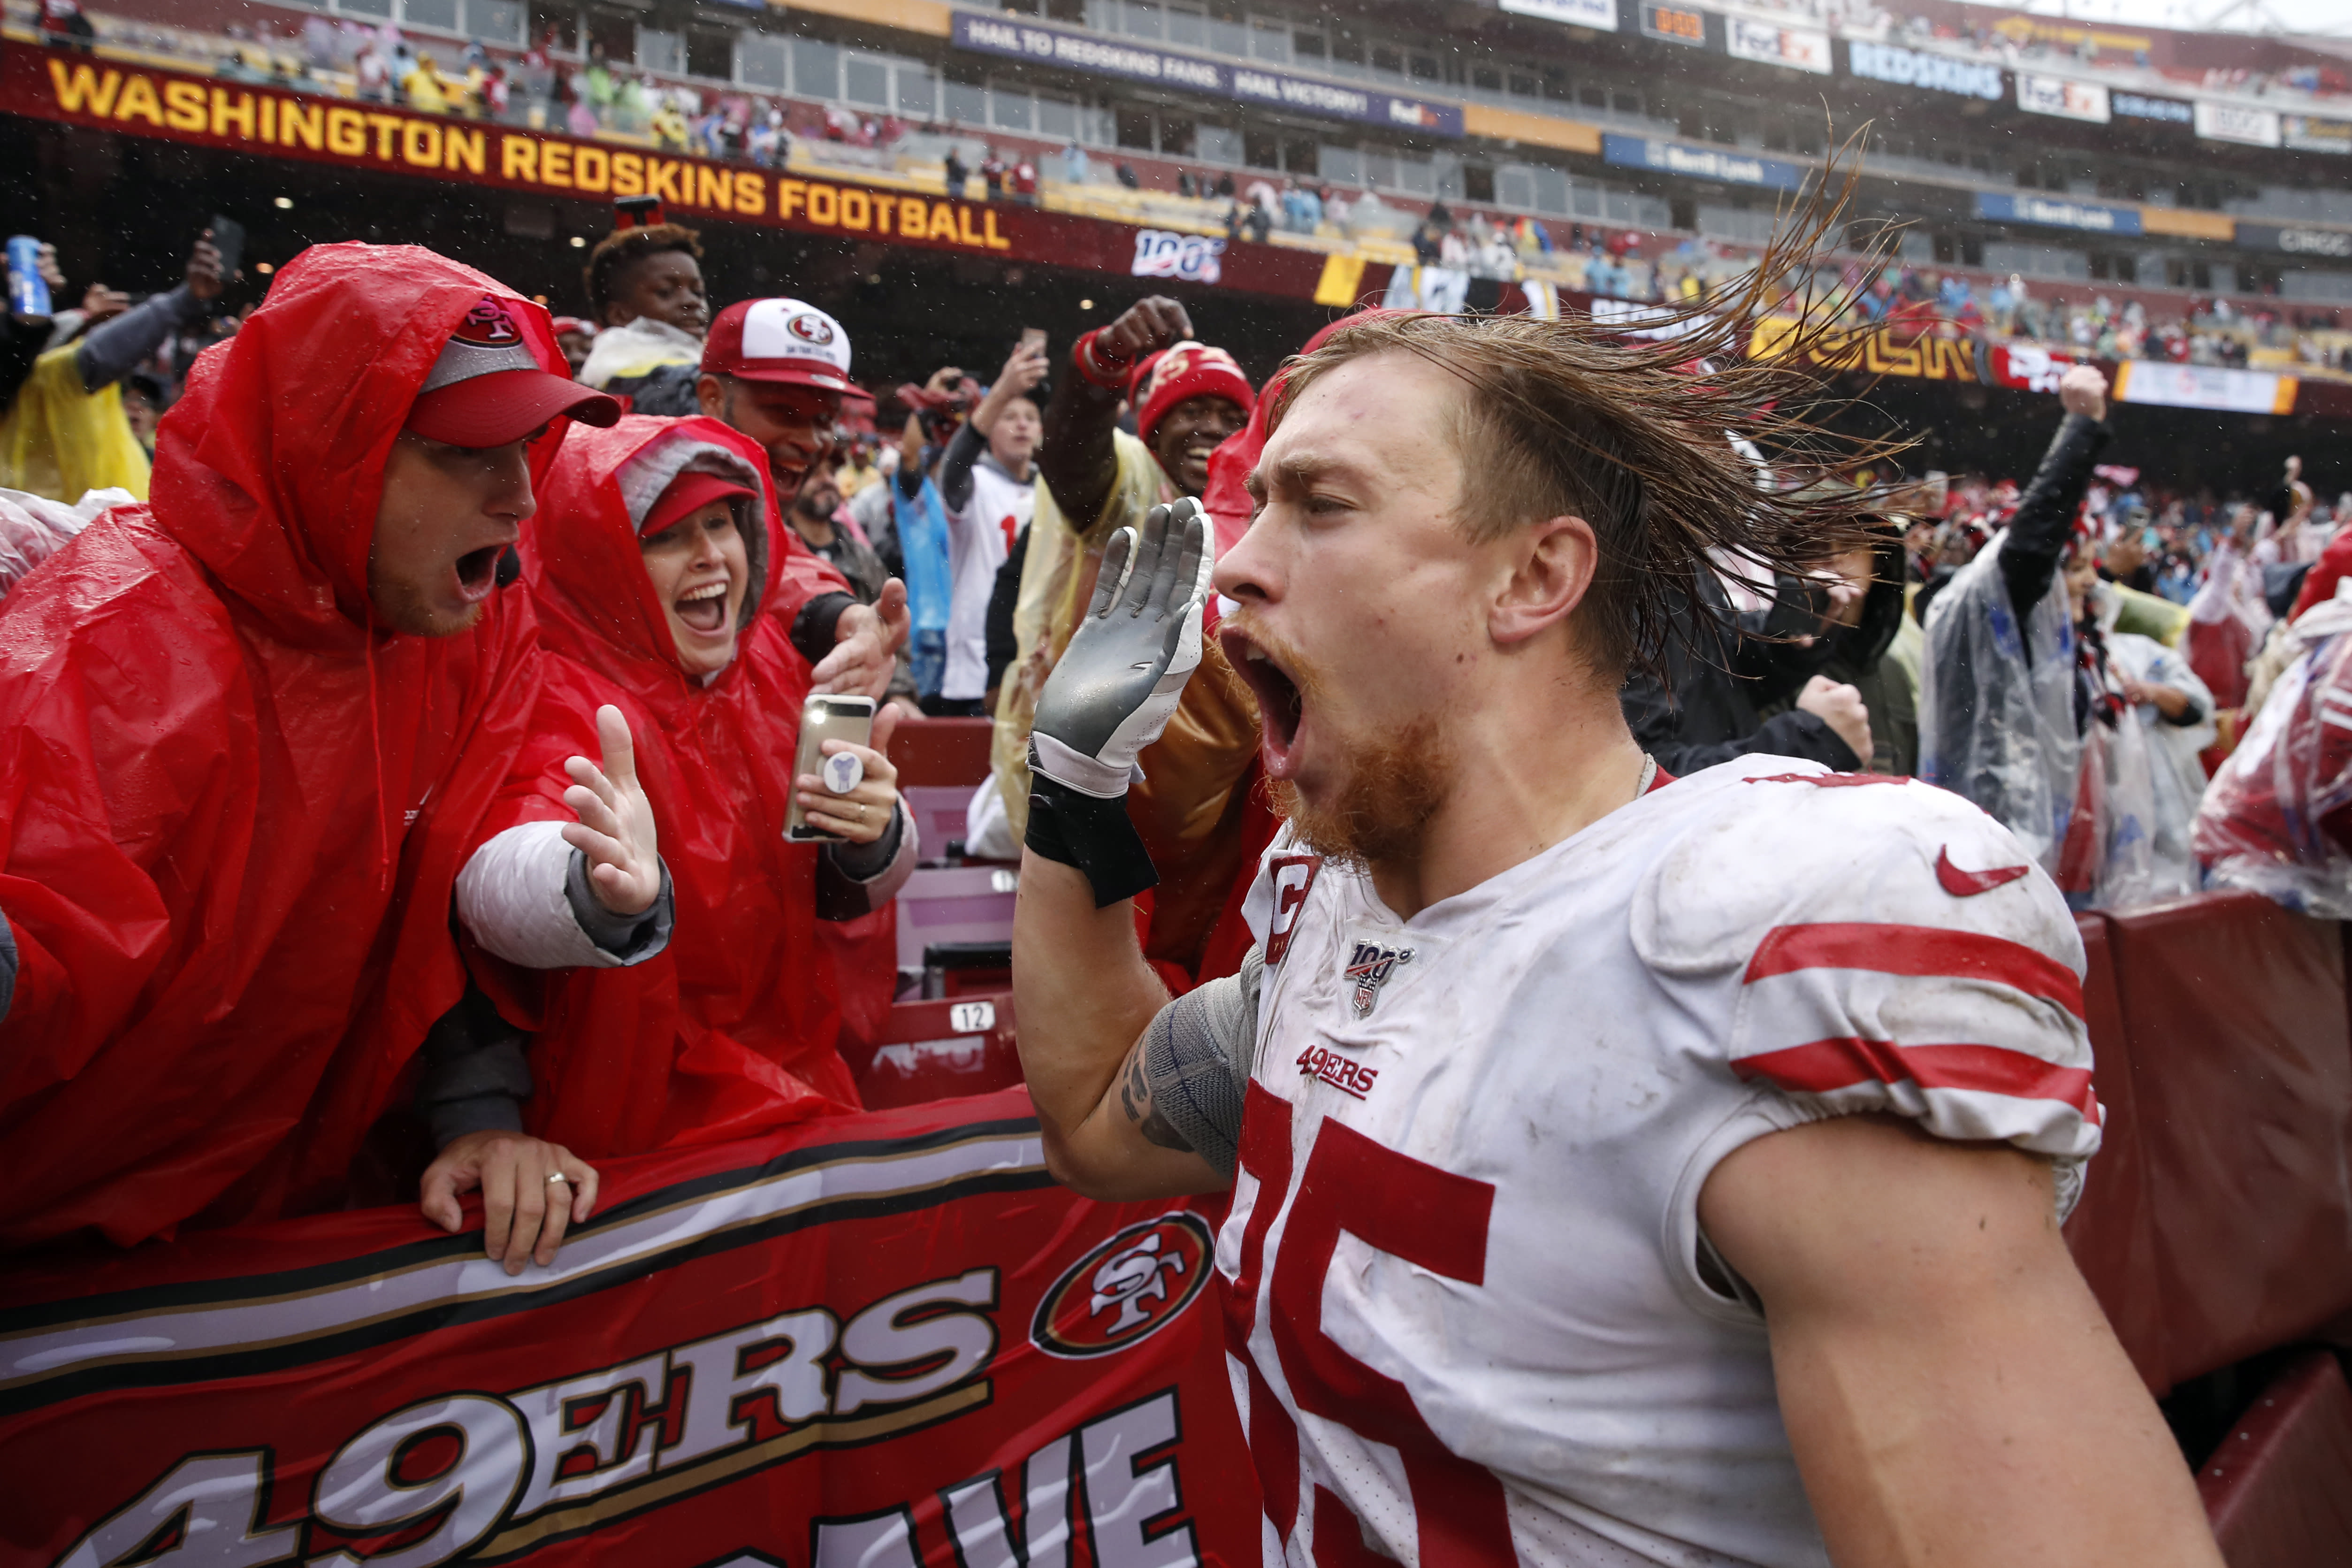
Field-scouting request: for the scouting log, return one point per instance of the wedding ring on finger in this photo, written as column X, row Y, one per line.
column 559, row 1176
column 844, row 772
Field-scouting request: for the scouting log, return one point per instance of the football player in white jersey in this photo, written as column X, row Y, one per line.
column 1624, row 1171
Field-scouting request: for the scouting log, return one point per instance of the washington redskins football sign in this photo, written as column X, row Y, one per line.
column 882, row 1342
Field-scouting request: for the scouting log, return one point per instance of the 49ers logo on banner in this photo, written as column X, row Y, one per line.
column 1127, row 1289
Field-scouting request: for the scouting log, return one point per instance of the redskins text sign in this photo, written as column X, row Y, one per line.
column 102, row 94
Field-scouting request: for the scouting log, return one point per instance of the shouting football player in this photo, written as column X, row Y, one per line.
column 1625, row 1169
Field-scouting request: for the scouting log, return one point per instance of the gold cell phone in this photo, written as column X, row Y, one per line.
column 825, row 718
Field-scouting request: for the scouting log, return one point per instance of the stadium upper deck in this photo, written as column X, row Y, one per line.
column 2118, row 194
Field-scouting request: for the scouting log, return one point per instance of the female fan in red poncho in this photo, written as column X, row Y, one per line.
column 731, row 1030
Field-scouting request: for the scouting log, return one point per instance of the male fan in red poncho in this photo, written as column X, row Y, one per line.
column 650, row 567
column 246, row 735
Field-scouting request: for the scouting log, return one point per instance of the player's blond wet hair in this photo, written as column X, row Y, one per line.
column 1567, row 418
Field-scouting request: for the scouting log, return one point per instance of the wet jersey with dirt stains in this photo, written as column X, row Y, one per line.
column 1473, row 1315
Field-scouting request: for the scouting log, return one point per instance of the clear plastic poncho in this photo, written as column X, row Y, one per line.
column 34, row 528
column 2111, row 849
column 1996, row 727
column 2175, row 776
column 2264, row 824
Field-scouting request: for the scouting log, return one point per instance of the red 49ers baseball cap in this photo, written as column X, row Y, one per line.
column 690, row 492
column 778, row 340
column 489, row 389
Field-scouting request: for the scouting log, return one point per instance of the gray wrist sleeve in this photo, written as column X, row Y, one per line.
column 1197, row 1055
column 629, row 939
column 483, row 1093
column 964, row 448
column 863, row 862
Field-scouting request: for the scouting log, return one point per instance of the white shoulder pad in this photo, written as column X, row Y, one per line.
column 1786, row 845
column 1855, row 946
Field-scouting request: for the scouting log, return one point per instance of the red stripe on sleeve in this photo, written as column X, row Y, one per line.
column 1927, row 952
column 1826, row 1066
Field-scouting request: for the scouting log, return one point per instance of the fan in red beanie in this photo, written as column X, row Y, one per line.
column 1196, row 396
column 1187, row 397
column 1095, row 479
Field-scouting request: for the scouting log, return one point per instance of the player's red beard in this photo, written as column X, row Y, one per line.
column 1382, row 806
column 1389, row 788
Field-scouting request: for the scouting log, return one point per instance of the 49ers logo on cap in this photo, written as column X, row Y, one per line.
column 1173, row 365
column 785, row 341
column 1126, row 1289
column 487, row 326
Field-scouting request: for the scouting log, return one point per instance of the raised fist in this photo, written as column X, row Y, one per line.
column 2082, row 390
column 1840, row 708
column 1147, row 327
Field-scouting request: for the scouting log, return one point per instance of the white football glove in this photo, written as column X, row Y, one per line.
column 1118, row 683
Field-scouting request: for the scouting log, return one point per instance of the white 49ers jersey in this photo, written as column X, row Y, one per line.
column 1463, row 1266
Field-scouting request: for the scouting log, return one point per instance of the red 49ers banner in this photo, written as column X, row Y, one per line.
column 880, row 1342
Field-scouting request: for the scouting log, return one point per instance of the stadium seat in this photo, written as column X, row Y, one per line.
column 932, row 1050
column 2274, row 1489
column 940, row 762
column 2239, row 1050
column 2109, row 1231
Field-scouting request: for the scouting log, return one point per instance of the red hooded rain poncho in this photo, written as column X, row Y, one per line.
column 231, row 810
column 731, row 1030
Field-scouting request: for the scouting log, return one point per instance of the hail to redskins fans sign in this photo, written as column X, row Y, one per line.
column 886, row 1341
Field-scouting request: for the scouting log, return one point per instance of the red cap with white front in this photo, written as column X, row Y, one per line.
column 488, row 389
column 783, row 341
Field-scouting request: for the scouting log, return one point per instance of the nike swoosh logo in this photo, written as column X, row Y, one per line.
column 1832, row 781
column 1962, row 884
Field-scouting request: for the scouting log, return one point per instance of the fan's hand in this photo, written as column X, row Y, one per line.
column 615, row 829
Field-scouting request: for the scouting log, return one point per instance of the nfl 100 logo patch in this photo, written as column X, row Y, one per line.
column 1369, row 968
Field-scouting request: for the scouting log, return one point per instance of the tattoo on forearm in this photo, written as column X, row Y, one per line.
column 1135, row 1097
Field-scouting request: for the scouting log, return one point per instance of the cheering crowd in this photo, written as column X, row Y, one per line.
column 2076, row 656
column 407, row 796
